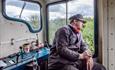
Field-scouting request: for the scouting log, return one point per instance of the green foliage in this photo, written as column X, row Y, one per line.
column 34, row 21
column 88, row 33
column 53, row 26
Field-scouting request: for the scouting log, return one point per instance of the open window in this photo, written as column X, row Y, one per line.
column 59, row 13
column 57, row 18
column 23, row 11
column 86, row 8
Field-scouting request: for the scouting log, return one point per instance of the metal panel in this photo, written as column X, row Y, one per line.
column 103, row 32
column 111, row 21
column 106, row 9
column 13, row 30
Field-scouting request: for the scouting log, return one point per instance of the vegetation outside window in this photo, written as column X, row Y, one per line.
column 86, row 8
column 57, row 18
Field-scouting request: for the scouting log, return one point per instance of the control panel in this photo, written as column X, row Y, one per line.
column 15, row 60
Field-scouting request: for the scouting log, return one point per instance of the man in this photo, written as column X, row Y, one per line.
column 69, row 52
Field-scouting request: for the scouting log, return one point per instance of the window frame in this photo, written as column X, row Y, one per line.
column 96, row 26
column 96, row 30
column 21, row 20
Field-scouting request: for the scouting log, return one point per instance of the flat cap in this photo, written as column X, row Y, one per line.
column 78, row 17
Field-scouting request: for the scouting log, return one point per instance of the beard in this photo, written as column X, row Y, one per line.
column 76, row 27
column 78, row 30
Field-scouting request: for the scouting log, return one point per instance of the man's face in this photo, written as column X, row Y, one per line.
column 78, row 24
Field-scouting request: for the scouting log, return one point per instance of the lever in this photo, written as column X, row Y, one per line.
column 21, row 52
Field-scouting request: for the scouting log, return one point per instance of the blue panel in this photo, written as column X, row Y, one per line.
column 28, row 57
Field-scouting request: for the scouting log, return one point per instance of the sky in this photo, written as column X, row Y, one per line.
column 58, row 11
column 76, row 3
column 14, row 8
column 84, row 7
column 26, row 12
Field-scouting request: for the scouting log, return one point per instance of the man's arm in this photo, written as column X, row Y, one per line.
column 62, row 44
column 83, row 46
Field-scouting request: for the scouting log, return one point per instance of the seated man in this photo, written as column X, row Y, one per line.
column 69, row 52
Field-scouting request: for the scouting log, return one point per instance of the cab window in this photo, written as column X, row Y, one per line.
column 24, row 11
column 57, row 18
column 59, row 15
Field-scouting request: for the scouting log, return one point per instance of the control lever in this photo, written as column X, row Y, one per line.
column 17, row 58
column 46, row 44
column 1, row 68
column 21, row 52
column 35, row 63
column 37, row 41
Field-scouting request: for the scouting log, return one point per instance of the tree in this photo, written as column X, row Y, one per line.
column 34, row 21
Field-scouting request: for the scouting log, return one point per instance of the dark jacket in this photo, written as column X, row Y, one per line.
column 66, row 47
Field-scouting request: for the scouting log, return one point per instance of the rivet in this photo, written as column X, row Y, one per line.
column 111, row 64
column 111, row 49
column 21, row 25
column 111, row 18
column 12, row 41
column 111, row 33
column 111, row 3
column 26, row 40
column 26, row 31
column 11, row 23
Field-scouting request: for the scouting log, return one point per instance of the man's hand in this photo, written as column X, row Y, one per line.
column 88, row 53
column 90, row 63
column 89, row 59
column 85, row 55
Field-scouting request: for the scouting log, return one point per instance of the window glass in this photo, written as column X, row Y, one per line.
column 23, row 10
column 86, row 8
column 57, row 19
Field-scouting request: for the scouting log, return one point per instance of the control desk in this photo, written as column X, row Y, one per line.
column 18, row 60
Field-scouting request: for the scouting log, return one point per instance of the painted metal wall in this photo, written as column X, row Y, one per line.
column 13, row 30
column 21, row 34
column 106, row 16
column 111, row 27
column 51, row 1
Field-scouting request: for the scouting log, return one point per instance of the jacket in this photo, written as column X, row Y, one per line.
column 66, row 47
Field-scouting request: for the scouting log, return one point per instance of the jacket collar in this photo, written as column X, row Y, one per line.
column 70, row 26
